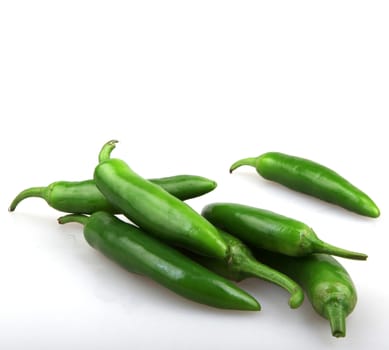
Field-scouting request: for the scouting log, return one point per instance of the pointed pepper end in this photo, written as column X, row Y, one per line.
column 296, row 299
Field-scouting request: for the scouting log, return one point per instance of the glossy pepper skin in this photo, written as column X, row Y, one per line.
column 267, row 230
column 84, row 197
column 155, row 210
column 242, row 265
column 137, row 252
column 327, row 283
column 311, row 178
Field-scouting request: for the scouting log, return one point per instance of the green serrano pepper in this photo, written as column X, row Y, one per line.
column 267, row 230
column 242, row 265
column 139, row 253
column 311, row 178
column 328, row 285
column 155, row 210
column 84, row 197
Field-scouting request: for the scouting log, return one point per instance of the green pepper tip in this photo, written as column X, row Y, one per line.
column 336, row 314
column 80, row 218
column 325, row 248
column 246, row 161
column 106, row 150
column 296, row 298
column 375, row 212
column 29, row 192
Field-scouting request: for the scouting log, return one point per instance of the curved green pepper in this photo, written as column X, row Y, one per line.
column 328, row 285
column 264, row 229
column 84, row 197
column 139, row 253
column 311, row 178
column 155, row 210
column 242, row 265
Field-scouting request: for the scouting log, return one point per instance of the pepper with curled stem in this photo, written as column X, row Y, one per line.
column 241, row 264
column 85, row 198
column 314, row 179
column 260, row 228
column 328, row 285
column 153, row 209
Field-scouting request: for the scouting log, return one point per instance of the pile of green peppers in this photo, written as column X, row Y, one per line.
column 197, row 255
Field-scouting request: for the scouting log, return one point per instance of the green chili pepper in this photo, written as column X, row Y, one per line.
column 264, row 229
column 242, row 265
column 139, row 253
column 328, row 285
column 84, row 197
column 153, row 209
column 311, row 178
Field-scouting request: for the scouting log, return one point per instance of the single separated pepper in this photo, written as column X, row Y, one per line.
column 137, row 252
column 311, row 178
column 264, row 229
column 84, row 197
column 242, row 265
column 327, row 283
column 153, row 209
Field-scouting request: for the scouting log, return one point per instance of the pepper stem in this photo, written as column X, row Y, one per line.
column 336, row 314
column 254, row 268
column 29, row 192
column 81, row 219
column 246, row 161
column 105, row 152
column 325, row 248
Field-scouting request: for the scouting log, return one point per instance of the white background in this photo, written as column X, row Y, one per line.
column 187, row 87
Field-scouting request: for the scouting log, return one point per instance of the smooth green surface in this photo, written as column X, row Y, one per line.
column 315, row 179
column 84, row 197
column 264, row 229
column 311, row 178
column 186, row 186
column 241, row 265
column 137, row 252
column 155, row 210
column 328, row 285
